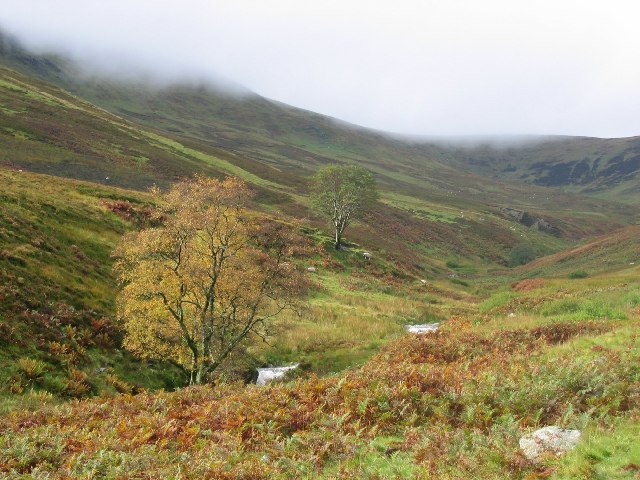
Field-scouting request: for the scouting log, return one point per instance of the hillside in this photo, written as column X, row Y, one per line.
column 552, row 342
column 451, row 404
column 59, row 332
column 57, row 314
column 274, row 140
column 273, row 146
column 612, row 252
column 603, row 167
column 298, row 141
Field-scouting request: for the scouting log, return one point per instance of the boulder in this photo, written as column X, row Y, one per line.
column 548, row 440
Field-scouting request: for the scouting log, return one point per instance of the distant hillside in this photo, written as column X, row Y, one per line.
column 275, row 147
column 605, row 167
column 619, row 250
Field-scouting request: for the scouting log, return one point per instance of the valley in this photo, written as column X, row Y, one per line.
column 552, row 340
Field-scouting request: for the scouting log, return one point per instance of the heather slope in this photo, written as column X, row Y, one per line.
column 57, row 306
column 450, row 405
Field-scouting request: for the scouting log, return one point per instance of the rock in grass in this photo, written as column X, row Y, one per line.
column 548, row 440
column 266, row 375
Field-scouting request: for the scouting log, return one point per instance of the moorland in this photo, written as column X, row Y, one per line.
column 522, row 343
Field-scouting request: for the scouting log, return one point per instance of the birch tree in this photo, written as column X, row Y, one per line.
column 343, row 193
column 207, row 277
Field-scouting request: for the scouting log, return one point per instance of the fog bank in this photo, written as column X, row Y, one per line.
column 422, row 68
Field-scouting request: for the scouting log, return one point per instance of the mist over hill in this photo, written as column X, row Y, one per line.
column 236, row 120
column 491, row 289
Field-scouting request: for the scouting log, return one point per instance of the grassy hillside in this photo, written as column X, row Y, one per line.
column 601, row 167
column 448, row 405
column 615, row 251
column 57, row 304
column 57, row 314
column 441, row 210
column 45, row 129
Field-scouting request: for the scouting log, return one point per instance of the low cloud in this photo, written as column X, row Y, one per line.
column 421, row 68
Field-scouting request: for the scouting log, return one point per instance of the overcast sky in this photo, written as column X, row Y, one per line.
column 421, row 67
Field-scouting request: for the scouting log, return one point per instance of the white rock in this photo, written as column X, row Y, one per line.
column 266, row 375
column 422, row 328
column 548, row 440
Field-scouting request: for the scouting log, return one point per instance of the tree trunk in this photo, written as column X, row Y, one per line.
column 337, row 243
column 200, row 375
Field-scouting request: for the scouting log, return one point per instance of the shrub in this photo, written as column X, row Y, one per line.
column 521, row 254
column 560, row 307
column 497, row 300
column 599, row 309
column 31, row 368
column 120, row 385
column 451, row 404
column 578, row 274
column 77, row 384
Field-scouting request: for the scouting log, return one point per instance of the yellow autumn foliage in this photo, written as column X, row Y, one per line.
column 205, row 277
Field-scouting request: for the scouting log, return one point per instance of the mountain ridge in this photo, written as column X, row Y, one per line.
column 298, row 140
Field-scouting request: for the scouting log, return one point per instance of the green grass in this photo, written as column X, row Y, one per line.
column 56, row 239
column 611, row 452
column 497, row 300
column 220, row 164
column 578, row 274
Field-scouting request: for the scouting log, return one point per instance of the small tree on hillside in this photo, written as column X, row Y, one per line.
column 522, row 254
column 343, row 193
column 212, row 274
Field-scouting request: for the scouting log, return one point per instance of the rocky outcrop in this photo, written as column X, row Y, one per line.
column 548, row 441
column 530, row 221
